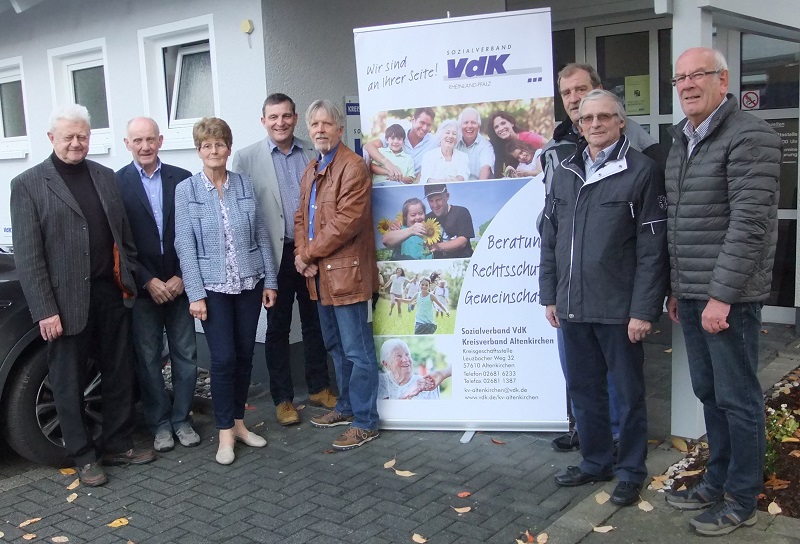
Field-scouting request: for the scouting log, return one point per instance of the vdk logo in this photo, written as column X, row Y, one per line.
column 482, row 66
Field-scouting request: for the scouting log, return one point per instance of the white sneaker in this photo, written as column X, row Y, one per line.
column 187, row 436
column 163, row 441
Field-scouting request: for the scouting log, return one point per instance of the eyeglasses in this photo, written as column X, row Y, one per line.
column 219, row 146
column 694, row 76
column 601, row 117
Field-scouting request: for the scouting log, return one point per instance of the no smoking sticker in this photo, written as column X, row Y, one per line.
column 750, row 100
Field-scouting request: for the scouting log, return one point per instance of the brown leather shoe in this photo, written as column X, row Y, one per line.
column 92, row 474
column 130, row 457
column 353, row 438
column 287, row 414
column 331, row 419
column 323, row 398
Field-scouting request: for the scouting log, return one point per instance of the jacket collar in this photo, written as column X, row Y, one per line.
column 725, row 111
column 619, row 151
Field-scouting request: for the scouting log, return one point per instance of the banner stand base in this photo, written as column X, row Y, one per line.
column 466, row 437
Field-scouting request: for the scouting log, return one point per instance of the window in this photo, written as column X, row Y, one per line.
column 78, row 74
column 770, row 72
column 179, row 83
column 14, row 142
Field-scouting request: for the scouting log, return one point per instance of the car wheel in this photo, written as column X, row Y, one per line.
column 32, row 426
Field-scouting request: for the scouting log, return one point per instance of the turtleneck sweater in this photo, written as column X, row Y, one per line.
column 101, row 240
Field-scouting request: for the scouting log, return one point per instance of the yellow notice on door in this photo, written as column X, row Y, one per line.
column 637, row 95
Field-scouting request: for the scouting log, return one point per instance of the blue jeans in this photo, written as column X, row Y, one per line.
column 231, row 335
column 723, row 369
column 613, row 411
column 279, row 320
column 591, row 350
column 348, row 338
column 149, row 321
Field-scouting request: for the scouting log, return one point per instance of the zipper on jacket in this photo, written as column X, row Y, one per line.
column 630, row 204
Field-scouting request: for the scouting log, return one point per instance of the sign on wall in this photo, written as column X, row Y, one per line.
column 453, row 113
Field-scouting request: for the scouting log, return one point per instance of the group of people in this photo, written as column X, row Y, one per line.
column 293, row 219
column 620, row 231
column 456, row 152
column 109, row 262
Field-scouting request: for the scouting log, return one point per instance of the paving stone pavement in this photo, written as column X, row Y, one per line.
column 294, row 491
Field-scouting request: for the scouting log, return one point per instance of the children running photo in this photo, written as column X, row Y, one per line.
column 425, row 300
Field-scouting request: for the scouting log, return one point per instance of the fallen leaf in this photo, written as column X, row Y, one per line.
column 657, row 484
column 67, row 471
column 29, row 536
column 462, row 510
column 528, row 536
column 541, row 538
column 464, row 494
column 764, row 331
column 776, row 483
column 668, row 350
column 328, row 451
column 419, row 538
column 298, row 408
column 2, row 534
column 645, row 506
column 72, row 497
column 653, row 441
column 602, row 497
column 74, row 484
column 680, row 444
column 795, row 453
column 790, row 439
column 774, row 509
column 497, row 441
column 785, row 389
column 28, row 522
column 761, row 496
column 257, row 425
column 682, row 487
column 389, row 464
column 687, row 473
column 603, row 529
column 60, row 539
column 119, row 522
column 404, row 473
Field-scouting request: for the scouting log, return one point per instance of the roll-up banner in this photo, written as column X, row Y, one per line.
column 454, row 113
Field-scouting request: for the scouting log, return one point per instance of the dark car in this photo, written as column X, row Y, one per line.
column 28, row 418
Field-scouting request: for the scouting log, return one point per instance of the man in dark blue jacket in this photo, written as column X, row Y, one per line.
column 148, row 193
column 603, row 279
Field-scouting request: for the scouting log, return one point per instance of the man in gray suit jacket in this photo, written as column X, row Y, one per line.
column 75, row 255
column 276, row 164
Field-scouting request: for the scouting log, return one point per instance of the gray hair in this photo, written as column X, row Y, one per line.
column 473, row 111
column 598, row 94
column 70, row 112
column 328, row 107
column 719, row 61
column 390, row 345
column 447, row 123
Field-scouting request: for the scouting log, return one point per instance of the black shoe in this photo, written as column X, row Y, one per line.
column 130, row 457
column 724, row 517
column 567, row 441
column 626, row 493
column 574, row 476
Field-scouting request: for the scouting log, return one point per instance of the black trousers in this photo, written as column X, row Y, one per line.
column 106, row 339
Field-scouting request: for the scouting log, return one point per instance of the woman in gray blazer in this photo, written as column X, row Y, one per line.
column 226, row 260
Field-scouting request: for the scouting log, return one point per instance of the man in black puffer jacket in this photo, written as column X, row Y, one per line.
column 722, row 189
column 603, row 277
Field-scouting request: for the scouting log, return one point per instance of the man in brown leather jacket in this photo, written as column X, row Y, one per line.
column 335, row 251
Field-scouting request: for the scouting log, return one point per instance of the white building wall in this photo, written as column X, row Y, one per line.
column 58, row 23
column 309, row 44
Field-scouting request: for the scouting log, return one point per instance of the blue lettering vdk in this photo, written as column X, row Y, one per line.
column 482, row 66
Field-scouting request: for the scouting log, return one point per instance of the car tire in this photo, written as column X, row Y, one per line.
column 31, row 423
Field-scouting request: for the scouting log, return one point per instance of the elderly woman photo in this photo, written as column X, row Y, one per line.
column 446, row 163
column 502, row 128
column 226, row 260
column 398, row 381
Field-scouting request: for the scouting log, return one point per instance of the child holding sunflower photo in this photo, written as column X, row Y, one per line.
column 414, row 237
